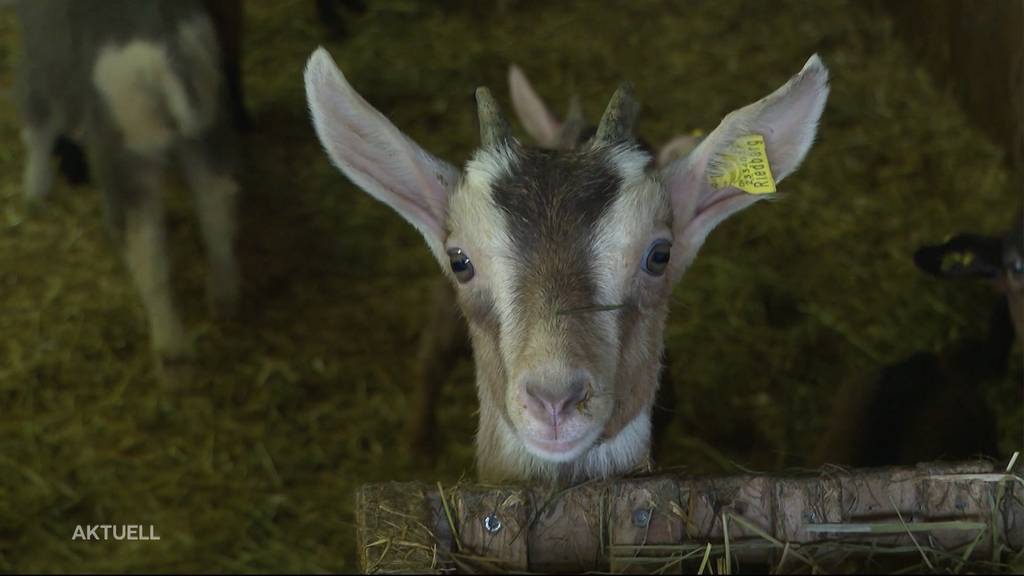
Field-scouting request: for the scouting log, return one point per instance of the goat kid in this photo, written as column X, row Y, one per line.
column 142, row 83
column 904, row 414
column 228, row 19
column 562, row 260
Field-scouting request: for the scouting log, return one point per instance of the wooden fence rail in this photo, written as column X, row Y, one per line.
column 940, row 514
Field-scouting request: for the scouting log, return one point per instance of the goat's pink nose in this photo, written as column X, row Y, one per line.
column 546, row 404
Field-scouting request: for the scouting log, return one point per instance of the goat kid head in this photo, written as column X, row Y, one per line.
column 563, row 260
column 999, row 260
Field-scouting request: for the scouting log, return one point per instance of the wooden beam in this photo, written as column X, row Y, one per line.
column 666, row 522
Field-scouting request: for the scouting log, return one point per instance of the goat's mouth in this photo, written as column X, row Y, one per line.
column 554, row 447
column 561, row 450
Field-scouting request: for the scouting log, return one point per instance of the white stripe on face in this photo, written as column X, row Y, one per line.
column 640, row 214
column 478, row 227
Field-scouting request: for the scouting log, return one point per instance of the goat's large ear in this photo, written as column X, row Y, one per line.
column 375, row 155
column 788, row 121
column 534, row 115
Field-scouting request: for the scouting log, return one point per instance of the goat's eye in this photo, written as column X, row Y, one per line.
column 658, row 255
column 462, row 267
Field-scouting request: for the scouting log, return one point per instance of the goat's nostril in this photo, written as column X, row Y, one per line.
column 578, row 394
column 557, row 403
column 539, row 400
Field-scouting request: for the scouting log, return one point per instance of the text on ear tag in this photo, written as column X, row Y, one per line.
column 744, row 165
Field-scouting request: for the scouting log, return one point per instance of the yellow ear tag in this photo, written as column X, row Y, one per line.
column 744, row 165
column 954, row 260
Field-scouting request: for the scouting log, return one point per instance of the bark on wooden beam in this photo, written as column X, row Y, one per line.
column 935, row 513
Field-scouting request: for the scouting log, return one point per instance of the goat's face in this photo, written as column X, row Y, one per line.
column 563, row 260
column 997, row 260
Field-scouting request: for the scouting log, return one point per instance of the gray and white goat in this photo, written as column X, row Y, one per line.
column 140, row 82
column 563, row 261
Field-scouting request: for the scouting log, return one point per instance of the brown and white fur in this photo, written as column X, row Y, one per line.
column 565, row 305
column 446, row 336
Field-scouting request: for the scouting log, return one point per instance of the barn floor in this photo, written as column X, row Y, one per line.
column 251, row 461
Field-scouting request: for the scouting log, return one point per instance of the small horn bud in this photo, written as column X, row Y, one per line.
column 572, row 128
column 617, row 123
column 494, row 130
